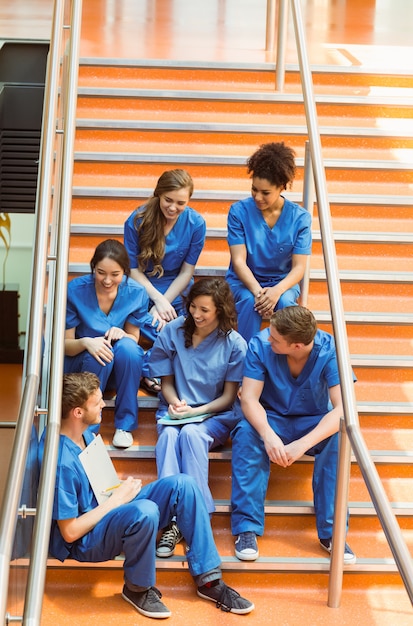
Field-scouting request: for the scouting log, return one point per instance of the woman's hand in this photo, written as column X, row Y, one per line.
column 157, row 320
column 180, row 409
column 114, row 334
column 266, row 301
column 100, row 348
column 164, row 308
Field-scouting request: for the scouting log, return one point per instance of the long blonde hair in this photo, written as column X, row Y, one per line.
column 150, row 222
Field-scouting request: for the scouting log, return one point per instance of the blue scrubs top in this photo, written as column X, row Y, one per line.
column 200, row 373
column 304, row 396
column 269, row 250
column 84, row 314
column 73, row 494
column 183, row 244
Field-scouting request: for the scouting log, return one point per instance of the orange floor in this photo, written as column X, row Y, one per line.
column 365, row 33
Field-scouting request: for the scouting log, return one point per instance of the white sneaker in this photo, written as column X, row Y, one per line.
column 122, row 438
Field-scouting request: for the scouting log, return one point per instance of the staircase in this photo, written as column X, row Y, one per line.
column 136, row 119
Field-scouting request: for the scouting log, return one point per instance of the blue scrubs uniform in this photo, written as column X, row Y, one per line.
column 199, row 377
column 84, row 314
column 269, row 254
column 183, row 244
column 294, row 406
column 131, row 528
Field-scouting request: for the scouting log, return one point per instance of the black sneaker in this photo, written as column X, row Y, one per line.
column 171, row 536
column 246, row 547
column 349, row 556
column 225, row 598
column 147, row 602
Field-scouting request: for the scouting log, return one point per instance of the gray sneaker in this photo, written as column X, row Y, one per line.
column 246, row 547
column 147, row 602
column 349, row 556
column 225, row 598
column 169, row 538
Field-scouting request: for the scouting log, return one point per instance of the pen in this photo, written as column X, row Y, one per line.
column 111, row 488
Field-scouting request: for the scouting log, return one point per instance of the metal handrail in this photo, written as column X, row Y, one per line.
column 15, row 477
column 41, row 532
column 351, row 422
column 33, row 357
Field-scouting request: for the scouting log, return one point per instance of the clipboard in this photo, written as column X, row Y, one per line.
column 99, row 469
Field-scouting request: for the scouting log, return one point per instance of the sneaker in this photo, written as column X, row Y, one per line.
column 170, row 537
column 225, row 598
column 122, row 438
column 246, row 548
column 147, row 602
column 349, row 556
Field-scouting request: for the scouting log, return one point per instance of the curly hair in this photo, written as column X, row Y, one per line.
column 77, row 389
column 111, row 249
column 296, row 324
column 221, row 294
column 150, row 221
column 275, row 162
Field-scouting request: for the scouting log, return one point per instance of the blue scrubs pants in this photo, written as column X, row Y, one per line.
column 124, row 373
column 132, row 529
column 249, row 321
column 251, row 470
column 185, row 449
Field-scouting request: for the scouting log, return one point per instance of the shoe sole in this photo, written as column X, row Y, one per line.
column 247, row 557
column 248, row 609
column 345, row 561
column 147, row 613
column 165, row 555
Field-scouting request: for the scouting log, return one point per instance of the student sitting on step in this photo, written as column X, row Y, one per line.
column 105, row 311
column 164, row 239
column 292, row 404
column 128, row 520
column 200, row 360
column 269, row 238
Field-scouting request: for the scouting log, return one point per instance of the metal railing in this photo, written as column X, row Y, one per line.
column 55, row 185
column 351, row 425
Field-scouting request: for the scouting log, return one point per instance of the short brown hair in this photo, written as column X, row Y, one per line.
column 295, row 323
column 77, row 389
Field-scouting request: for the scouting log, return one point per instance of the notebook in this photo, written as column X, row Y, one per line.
column 170, row 421
column 99, row 469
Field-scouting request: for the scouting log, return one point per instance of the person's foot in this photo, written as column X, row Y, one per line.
column 171, row 536
column 349, row 556
column 225, row 598
column 246, row 547
column 151, row 385
column 147, row 602
column 122, row 438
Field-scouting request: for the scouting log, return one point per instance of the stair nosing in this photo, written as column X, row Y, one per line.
column 281, row 129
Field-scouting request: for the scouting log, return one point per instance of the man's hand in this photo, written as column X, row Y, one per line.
column 283, row 455
column 126, row 492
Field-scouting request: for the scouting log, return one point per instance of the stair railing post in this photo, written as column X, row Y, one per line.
column 281, row 44
column 335, row 585
column 308, row 203
column 270, row 26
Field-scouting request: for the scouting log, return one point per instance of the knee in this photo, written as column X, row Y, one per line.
column 167, row 435
column 128, row 350
column 288, row 298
